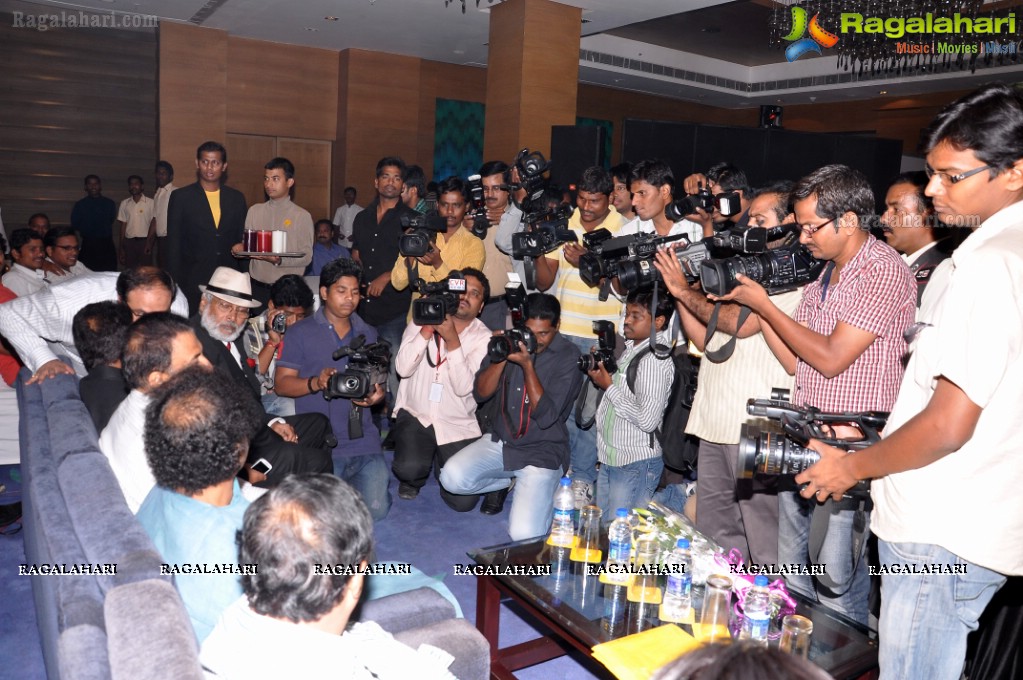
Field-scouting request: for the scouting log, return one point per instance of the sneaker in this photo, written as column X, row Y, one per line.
column 407, row 491
column 583, row 492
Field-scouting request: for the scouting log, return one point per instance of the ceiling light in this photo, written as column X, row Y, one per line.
column 311, row 29
column 330, row 18
column 883, row 92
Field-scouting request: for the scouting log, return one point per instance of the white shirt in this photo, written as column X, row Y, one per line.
column 30, row 322
column 692, row 230
column 969, row 502
column 161, row 199
column 123, row 443
column 23, row 281
column 78, row 270
column 344, row 218
column 136, row 216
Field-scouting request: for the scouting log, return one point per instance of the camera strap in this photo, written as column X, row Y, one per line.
column 658, row 350
column 355, row 422
column 725, row 351
column 525, row 410
column 530, row 270
column 819, row 521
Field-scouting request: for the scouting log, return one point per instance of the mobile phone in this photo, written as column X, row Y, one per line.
column 262, row 466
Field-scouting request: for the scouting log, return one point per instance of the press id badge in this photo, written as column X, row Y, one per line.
column 436, row 389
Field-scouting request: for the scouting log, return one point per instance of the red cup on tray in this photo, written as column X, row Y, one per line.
column 264, row 241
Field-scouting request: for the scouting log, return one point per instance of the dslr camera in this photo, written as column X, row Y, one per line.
column 500, row 346
column 773, row 453
column 478, row 207
column 420, row 233
column 777, row 270
column 727, row 203
column 607, row 341
column 438, row 299
column 367, row 366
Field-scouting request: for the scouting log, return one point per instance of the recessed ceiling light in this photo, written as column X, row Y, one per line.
column 883, row 92
column 330, row 18
column 311, row 29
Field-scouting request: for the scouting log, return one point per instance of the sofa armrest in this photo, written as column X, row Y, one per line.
column 460, row 639
column 403, row 611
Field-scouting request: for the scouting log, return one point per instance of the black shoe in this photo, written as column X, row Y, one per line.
column 493, row 502
column 388, row 443
column 10, row 519
column 406, row 491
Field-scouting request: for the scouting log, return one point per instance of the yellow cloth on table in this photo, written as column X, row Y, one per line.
column 636, row 657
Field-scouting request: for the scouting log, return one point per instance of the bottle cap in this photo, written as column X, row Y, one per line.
column 621, row 512
column 566, row 481
column 760, row 581
column 682, row 543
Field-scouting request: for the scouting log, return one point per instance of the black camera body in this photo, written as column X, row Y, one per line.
column 604, row 252
column 640, row 271
column 545, row 235
column 531, row 166
column 420, row 233
column 367, row 366
column 279, row 323
column 737, row 241
column 727, row 204
column 785, row 453
column 607, row 342
column 478, row 207
column 778, row 270
column 438, row 299
column 500, row 346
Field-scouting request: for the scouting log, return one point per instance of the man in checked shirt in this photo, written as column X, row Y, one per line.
column 844, row 345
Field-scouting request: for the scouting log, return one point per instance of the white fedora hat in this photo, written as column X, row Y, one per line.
column 231, row 285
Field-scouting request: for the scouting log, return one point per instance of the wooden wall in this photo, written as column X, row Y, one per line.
column 72, row 106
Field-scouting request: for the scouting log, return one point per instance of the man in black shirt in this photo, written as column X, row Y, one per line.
column 93, row 217
column 375, row 235
column 528, row 443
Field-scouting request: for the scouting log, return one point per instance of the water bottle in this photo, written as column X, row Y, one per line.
column 619, row 547
column 678, row 598
column 757, row 612
column 562, row 529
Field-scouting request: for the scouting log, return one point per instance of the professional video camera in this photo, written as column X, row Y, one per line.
column 544, row 236
column 367, row 366
column 500, row 346
column 478, row 207
column 420, row 233
column 604, row 252
column 605, row 352
column 776, row 270
column 640, row 271
column 438, row 299
column 531, row 166
column 735, row 240
column 774, row 453
column 726, row 203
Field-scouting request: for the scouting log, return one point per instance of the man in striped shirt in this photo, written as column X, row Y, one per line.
column 629, row 415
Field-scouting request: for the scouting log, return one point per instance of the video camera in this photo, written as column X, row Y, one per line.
column 478, row 207
column 736, row 240
column 727, row 204
column 630, row 258
column 544, row 236
column 605, row 352
column 438, row 299
column 420, row 233
column 777, row 270
column 774, row 453
column 367, row 366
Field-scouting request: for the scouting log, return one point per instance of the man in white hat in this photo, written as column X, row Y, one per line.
column 287, row 445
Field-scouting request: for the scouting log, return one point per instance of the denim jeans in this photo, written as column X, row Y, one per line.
column 583, row 443
column 391, row 331
column 794, row 516
column 479, row 468
column 369, row 476
column 278, row 406
column 925, row 618
column 627, row 486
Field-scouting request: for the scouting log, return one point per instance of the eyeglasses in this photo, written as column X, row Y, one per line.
column 225, row 307
column 948, row 180
column 810, row 229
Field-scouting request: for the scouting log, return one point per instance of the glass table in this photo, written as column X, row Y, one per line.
column 571, row 603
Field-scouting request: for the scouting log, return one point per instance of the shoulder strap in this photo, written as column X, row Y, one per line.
column 630, row 378
column 725, row 351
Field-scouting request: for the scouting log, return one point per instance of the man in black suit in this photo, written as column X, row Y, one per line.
column 203, row 221
column 291, row 445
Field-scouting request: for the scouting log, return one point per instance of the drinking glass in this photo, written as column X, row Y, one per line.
column 795, row 635
column 717, row 604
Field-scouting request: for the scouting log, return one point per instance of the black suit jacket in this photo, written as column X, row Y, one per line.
column 195, row 246
column 218, row 355
column 926, row 264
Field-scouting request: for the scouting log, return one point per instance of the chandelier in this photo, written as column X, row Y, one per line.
column 891, row 45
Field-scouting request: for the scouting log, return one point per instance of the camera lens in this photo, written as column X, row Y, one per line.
column 587, row 363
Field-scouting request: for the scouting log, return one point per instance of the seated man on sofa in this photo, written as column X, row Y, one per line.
column 100, row 330
column 305, row 521
column 198, row 429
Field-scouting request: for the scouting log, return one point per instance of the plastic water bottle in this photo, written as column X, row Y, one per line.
column 619, row 547
column 562, row 529
column 757, row 612
column 678, row 597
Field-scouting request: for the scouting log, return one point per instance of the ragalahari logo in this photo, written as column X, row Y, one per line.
column 818, row 36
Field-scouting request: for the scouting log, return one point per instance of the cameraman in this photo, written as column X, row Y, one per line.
column 306, row 366
column 290, row 301
column 453, row 249
column 505, row 219
column 722, row 178
column 956, row 423
column 580, row 306
column 728, row 512
column 652, row 184
column 436, row 413
column 628, row 416
column 845, row 346
column 529, row 442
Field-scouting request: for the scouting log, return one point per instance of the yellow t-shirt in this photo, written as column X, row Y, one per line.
column 214, row 200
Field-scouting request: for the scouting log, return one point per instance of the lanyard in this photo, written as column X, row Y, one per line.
column 440, row 360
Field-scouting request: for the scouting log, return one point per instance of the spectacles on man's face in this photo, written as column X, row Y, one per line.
column 810, row 229
column 948, row 180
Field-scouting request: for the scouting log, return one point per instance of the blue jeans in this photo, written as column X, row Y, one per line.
column 391, row 331
column 583, row 443
column 369, row 476
column 278, row 406
column 479, row 468
column 925, row 618
column 794, row 515
column 628, row 486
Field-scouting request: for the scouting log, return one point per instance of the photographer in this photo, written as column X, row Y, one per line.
column 505, row 220
column 290, row 302
column 529, row 442
column 955, row 424
column 652, row 183
column 306, row 366
column 453, row 249
column 621, row 197
column 436, row 412
column 728, row 512
column 845, row 346
column 722, row 178
column 629, row 415
column 580, row 306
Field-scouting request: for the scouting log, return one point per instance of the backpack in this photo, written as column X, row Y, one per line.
column 678, row 449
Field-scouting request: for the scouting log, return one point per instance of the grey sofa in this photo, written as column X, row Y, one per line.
column 132, row 624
